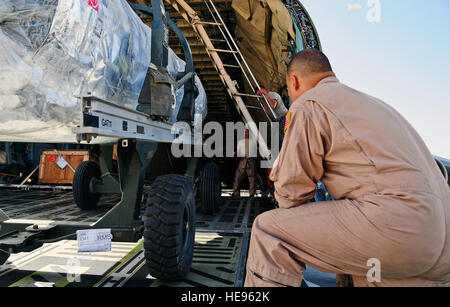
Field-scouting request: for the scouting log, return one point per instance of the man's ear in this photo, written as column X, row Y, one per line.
column 295, row 82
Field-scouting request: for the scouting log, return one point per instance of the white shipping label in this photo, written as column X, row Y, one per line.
column 61, row 162
column 94, row 240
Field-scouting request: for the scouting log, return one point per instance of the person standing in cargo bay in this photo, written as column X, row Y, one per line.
column 391, row 211
column 247, row 151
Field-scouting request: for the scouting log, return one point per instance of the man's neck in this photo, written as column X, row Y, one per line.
column 311, row 82
column 315, row 79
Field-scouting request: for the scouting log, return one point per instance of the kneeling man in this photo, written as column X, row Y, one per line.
column 391, row 207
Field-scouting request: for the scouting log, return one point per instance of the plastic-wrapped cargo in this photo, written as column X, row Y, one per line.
column 52, row 51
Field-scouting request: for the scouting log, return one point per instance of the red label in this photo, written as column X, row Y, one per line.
column 94, row 4
column 51, row 158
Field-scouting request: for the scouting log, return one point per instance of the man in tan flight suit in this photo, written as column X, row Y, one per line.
column 391, row 212
column 247, row 150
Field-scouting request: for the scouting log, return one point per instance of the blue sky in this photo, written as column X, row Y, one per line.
column 404, row 59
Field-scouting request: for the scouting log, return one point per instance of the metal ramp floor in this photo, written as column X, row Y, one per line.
column 220, row 251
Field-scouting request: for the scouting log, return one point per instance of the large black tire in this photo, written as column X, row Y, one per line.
column 82, row 195
column 169, row 231
column 210, row 188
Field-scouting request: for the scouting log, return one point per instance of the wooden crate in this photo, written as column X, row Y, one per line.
column 51, row 173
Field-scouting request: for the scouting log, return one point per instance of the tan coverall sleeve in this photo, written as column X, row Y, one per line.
column 299, row 165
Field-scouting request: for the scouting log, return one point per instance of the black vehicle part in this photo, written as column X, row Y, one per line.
column 85, row 172
column 262, row 185
column 169, row 222
column 210, row 188
column 4, row 255
column 443, row 170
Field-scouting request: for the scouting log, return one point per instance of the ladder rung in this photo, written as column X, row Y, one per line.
column 252, row 107
column 246, row 95
column 217, row 40
column 207, row 23
column 223, row 50
column 233, row 66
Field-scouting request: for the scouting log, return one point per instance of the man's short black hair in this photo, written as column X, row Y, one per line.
column 309, row 61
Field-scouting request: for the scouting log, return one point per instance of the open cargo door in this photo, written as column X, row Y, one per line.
column 241, row 47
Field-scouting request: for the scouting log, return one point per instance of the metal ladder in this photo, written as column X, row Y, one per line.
column 194, row 20
column 240, row 60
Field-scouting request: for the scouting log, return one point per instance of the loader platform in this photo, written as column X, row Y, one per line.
column 220, row 250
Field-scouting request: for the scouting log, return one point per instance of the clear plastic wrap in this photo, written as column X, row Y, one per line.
column 176, row 65
column 52, row 51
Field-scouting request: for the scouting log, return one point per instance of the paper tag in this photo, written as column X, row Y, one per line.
column 61, row 162
column 94, row 240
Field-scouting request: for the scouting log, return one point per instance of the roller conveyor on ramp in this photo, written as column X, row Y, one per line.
column 220, row 250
